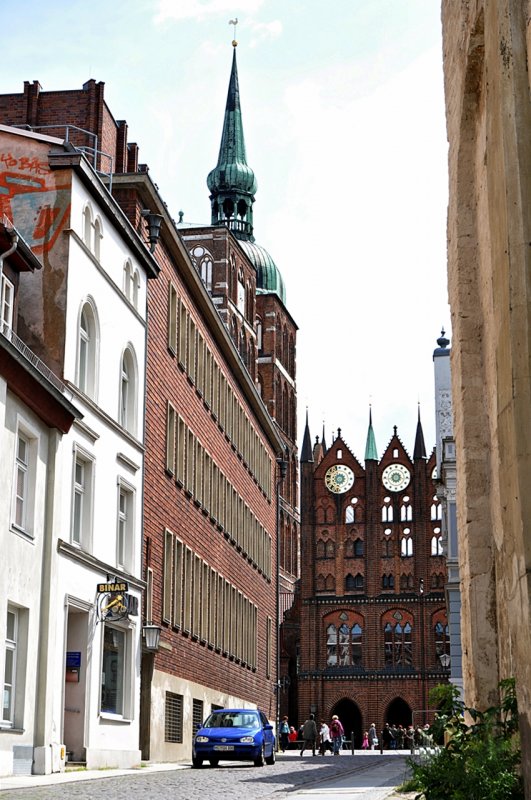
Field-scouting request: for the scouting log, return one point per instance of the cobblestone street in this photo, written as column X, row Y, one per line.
column 238, row 781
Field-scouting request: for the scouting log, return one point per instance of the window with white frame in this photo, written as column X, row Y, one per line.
column 87, row 226
column 10, row 668
column 125, row 526
column 87, row 351
column 128, row 391
column 98, row 236
column 7, row 297
column 116, row 675
column 82, row 480
column 21, row 482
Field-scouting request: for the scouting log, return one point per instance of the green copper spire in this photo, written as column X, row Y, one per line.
column 232, row 183
column 371, row 453
column 232, row 187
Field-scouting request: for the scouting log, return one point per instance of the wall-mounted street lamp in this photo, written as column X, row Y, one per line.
column 154, row 221
column 444, row 658
column 151, row 634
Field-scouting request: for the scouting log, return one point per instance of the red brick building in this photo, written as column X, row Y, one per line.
column 220, row 427
column 370, row 623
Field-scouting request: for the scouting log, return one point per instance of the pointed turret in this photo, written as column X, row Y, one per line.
column 306, row 452
column 420, row 448
column 371, row 453
column 323, row 441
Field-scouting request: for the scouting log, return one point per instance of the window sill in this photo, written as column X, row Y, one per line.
column 108, row 717
column 7, row 729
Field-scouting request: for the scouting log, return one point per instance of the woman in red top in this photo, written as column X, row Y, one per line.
column 337, row 733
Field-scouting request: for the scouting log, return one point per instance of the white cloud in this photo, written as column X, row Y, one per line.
column 265, row 30
column 202, row 9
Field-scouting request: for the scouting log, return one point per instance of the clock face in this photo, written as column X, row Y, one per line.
column 396, row 477
column 339, row 478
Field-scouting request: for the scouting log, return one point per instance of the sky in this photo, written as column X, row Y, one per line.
column 343, row 115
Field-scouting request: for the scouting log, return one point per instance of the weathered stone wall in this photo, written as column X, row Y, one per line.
column 486, row 62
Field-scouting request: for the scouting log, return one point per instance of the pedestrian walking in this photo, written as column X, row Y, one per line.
column 309, row 734
column 365, row 741
column 387, row 737
column 373, row 736
column 336, row 732
column 325, row 742
column 284, row 734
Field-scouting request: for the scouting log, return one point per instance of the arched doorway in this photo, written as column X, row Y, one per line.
column 398, row 713
column 350, row 716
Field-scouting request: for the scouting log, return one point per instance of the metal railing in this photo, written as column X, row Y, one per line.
column 34, row 360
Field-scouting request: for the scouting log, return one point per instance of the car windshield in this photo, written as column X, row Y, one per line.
column 232, row 719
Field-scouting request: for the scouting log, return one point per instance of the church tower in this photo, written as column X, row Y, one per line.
column 250, row 295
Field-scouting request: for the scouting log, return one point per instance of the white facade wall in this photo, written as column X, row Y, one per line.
column 22, row 568
column 113, row 459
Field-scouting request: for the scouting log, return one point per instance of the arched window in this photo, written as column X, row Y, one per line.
column 331, row 646
column 406, row 547
column 206, row 272
column 406, row 512
column 344, row 645
column 387, row 548
column 397, row 643
column 388, row 581
column 437, row 545
column 350, row 514
column 436, row 510
column 87, row 226
column 353, row 582
column 87, row 351
column 330, row 549
column 358, row 547
column 387, row 511
column 320, row 550
column 442, row 639
column 330, row 583
column 240, row 300
column 98, row 236
column 128, row 391
column 259, row 334
column 320, row 583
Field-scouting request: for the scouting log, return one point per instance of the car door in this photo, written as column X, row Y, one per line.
column 268, row 733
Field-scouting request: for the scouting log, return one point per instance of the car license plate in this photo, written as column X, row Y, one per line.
column 224, row 747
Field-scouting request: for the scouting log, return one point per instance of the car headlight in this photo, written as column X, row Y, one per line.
column 247, row 739
column 201, row 738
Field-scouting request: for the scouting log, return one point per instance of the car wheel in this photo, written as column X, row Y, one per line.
column 197, row 762
column 271, row 759
column 260, row 758
column 214, row 762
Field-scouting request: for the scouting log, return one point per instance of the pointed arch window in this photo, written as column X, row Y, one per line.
column 320, row 549
column 259, row 334
column 442, row 639
column 330, row 583
column 406, row 544
column 398, row 646
column 330, row 549
column 87, row 351
column 436, row 510
column 350, row 512
column 331, row 646
column 354, row 582
column 87, row 226
column 387, row 510
column 98, row 236
column 387, row 548
column 344, row 645
column 437, row 543
column 406, row 511
column 240, row 300
column 388, row 581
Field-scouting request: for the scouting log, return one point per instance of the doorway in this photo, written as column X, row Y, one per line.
column 350, row 717
column 76, row 658
column 398, row 713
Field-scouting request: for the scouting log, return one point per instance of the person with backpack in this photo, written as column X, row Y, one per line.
column 284, row 733
column 336, row 732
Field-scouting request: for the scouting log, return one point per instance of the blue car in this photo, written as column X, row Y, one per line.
column 234, row 734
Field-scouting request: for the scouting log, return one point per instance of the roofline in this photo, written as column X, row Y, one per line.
column 173, row 241
column 70, row 158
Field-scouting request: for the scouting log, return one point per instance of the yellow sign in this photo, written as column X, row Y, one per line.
column 112, row 587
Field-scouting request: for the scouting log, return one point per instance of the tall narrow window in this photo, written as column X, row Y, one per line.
column 113, row 672
column 81, row 500
column 21, row 482
column 98, row 235
column 128, row 392
column 10, row 668
column 87, row 227
column 87, row 351
column 125, row 528
column 7, row 296
column 331, row 646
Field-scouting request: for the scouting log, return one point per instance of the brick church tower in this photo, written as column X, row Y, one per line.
column 249, row 293
column 371, row 619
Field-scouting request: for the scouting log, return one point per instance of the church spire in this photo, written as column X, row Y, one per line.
column 420, row 448
column 232, row 182
column 371, row 453
column 306, row 452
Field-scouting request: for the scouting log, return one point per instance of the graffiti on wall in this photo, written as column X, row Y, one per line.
column 31, row 198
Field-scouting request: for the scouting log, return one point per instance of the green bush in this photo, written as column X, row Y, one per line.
column 480, row 760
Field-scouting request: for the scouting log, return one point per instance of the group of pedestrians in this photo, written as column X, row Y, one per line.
column 331, row 737
column 325, row 738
